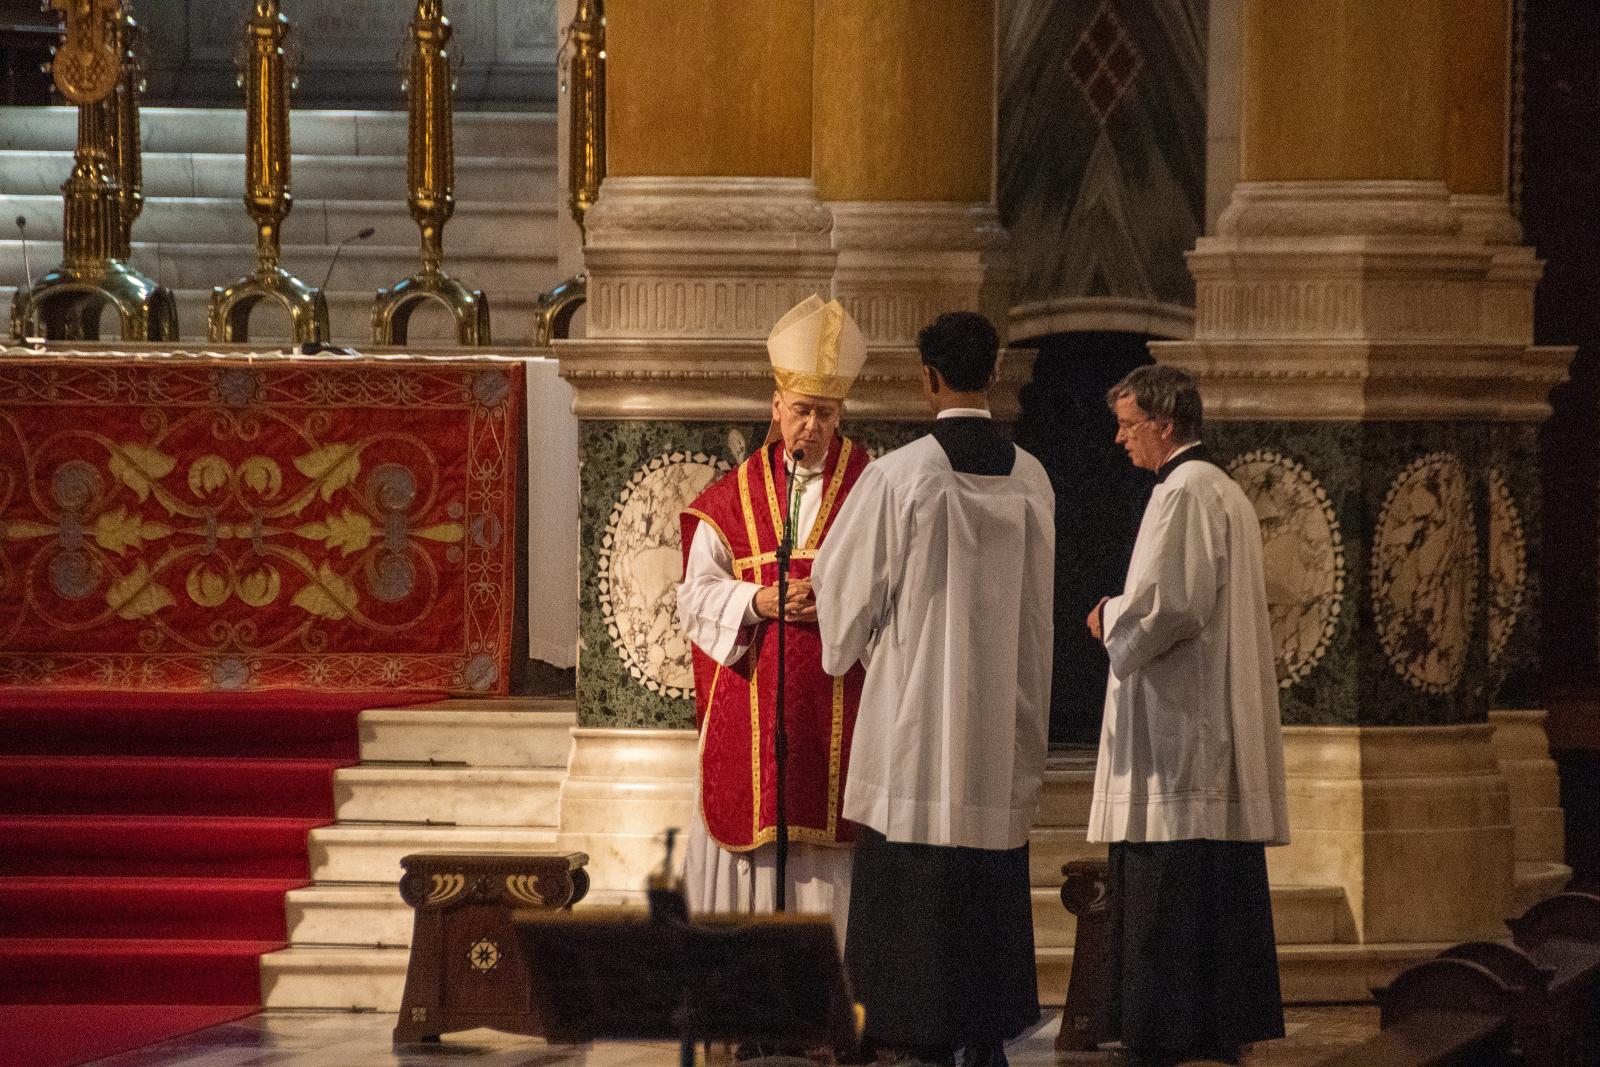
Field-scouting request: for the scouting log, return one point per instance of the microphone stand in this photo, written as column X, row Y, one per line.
column 780, row 731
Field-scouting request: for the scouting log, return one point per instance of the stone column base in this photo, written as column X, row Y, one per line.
column 1413, row 822
column 624, row 787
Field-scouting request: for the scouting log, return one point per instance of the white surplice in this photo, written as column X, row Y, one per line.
column 717, row 612
column 1191, row 745
column 942, row 583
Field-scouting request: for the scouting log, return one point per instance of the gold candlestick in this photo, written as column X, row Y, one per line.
column 128, row 148
column 586, row 82
column 267, row 194
column 430, row 171
column 97, row 68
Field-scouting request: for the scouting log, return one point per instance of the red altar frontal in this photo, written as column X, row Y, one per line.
column 226, row 523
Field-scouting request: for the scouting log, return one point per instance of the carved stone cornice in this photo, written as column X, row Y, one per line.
column 703, row 257
column 1343, row 380
column 730, row 381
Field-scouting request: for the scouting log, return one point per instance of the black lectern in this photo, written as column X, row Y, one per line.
column 620, row 974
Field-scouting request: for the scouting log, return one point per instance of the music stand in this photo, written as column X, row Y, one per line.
column 617, row 974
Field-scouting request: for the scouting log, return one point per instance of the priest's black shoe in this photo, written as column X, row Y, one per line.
column 985, row 1054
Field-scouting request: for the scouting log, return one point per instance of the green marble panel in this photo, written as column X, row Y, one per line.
column 635, row 476
column 1379, row 659
column 1413, row 503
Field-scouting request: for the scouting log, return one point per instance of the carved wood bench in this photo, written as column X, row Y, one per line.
column 466, row 970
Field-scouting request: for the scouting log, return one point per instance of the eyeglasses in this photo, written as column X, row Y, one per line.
column 804, row 411
column 1129, row 427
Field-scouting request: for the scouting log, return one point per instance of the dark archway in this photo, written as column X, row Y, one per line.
column 1099, row 500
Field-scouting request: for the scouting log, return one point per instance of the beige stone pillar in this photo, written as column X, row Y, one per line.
column 1363, row 339
column 708, row 226
column 903, row 153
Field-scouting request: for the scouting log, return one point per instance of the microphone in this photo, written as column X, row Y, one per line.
column 27, row 261
column 360, row 235
column 795, row 459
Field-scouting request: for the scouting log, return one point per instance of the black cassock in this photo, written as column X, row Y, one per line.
column 1194, row 965
column 940, row 940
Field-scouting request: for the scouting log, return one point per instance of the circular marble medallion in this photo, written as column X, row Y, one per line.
column 1508, row 565
column 640, row 563
column 1303, row 552
column 1425, row 572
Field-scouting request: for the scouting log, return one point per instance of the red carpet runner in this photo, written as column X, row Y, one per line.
column 144, row 858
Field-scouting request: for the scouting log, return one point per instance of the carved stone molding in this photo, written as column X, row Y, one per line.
column 904, row 263
column 703, row 257
column 1366, row 380
column 1487, row 218
column 719, row 381
column 1367, row 299
column 1340, row 209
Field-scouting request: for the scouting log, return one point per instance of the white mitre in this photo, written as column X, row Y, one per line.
column 816, row 349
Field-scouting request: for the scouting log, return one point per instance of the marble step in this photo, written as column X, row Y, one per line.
column 350, row 318
column 1051, row 847
column 222, row 220
column 479, row 179
column 197, row 266
column 466, row 796
column 533, row 733
column 312, row 132
column 348, row 914
column 356, row 852
column 1064, row 800
column 366, row 979
column 1300, row 915
column 1331, row 973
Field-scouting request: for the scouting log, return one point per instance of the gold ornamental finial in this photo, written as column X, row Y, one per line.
column 264, row 73
column 88, row 64
column 127, row 147
column 101, row 197
column 431, row 173
column 586, row 83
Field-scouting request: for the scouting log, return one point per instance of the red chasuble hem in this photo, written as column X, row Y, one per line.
column 820, row 709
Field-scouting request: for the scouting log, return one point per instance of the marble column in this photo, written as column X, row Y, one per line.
column 1363, row 338
column 708, row 227
column 903, row 155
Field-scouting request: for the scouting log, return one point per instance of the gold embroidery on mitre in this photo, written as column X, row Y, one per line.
column 828, row 341
column 831, row 386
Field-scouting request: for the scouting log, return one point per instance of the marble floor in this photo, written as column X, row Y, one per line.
column 343, row 1039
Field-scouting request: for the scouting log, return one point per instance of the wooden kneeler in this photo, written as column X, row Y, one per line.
column 1084, row 1020
column 466, row 969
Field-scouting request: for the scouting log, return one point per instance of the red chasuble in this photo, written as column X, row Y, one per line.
column 734, row 706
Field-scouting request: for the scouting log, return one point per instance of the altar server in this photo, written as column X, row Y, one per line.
column 1189, row 788
column 939, row 573
column 728, row 604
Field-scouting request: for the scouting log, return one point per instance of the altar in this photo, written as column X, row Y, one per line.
column 238, row 520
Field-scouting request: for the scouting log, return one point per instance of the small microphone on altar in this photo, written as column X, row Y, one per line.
column 27, row 260
column 799, row 455
column 359, row 235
